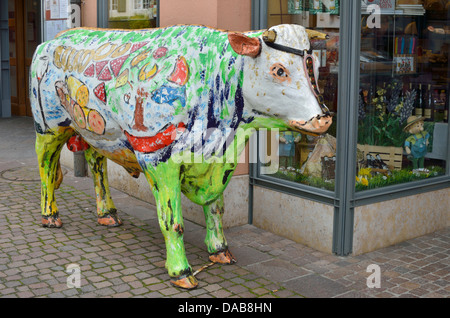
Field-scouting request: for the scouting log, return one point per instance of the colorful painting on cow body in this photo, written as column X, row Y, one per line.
column 141, row 98
column 142, row 78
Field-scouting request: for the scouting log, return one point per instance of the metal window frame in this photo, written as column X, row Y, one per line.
column 344, row 198
column 5, row 87
column 259, row 14
column 347, row 125
column 102, row 13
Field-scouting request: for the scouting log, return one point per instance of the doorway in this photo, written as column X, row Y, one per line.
column 24, row 21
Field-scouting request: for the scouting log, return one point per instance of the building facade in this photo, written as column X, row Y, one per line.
column 378, row 177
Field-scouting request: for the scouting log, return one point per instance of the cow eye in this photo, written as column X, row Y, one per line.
column 280, row 73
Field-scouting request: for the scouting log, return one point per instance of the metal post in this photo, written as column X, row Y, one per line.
column 79, row 164
column 347, row 126
column 5, row 89
column 259, row 14
column 102, row 13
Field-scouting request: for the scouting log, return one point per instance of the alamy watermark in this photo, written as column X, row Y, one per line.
column 226, row 145
column 374, row 279
column 374, row 18
column 74, row 279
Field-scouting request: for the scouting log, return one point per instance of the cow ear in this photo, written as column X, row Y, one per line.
column 244, row 45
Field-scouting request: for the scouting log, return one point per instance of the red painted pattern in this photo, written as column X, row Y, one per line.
column 77, row 143
column 158, row 141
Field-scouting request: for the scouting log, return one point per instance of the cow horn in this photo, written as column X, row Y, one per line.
column 316, row 35
column 269, row 36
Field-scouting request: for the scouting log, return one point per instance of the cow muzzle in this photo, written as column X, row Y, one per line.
column 315, row 126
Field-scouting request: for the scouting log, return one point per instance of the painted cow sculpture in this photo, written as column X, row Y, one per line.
column 171, row 103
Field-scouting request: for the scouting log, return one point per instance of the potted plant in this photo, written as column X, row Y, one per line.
column 381, row 119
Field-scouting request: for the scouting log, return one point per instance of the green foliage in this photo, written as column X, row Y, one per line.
column 381, row 130
column 134, row 22
column 295, row 176
column 383, row 117
column 363, row 182
column 396, row 177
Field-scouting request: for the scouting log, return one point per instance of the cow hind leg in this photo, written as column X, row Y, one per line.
column 215, row 239
column 106, row 210
column 48, row 150
column 165, row 185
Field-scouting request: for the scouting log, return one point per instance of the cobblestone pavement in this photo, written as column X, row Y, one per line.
column 128, row 261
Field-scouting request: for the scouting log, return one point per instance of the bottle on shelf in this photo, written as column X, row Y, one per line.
column 418, row 111
column 428, row 111
column 439, row 100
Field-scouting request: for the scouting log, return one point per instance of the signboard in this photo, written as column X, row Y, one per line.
column 60, row 15
column 385, row 6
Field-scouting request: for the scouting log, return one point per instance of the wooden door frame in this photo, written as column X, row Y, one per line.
column 20, row 104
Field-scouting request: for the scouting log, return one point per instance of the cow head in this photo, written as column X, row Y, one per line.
column 280, row 78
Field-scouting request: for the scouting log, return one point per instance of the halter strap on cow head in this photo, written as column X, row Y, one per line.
column 269, row 37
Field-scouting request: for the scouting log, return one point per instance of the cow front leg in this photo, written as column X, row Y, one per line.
column 106, row 210
column 165, row 185
column 48, row 150
column 215, row 239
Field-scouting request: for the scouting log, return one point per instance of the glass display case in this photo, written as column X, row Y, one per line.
column 403, row 83
column 385, row 74
column 403, row 94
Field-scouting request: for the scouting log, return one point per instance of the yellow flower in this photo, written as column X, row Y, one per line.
column 381, row 92
column 365, row 172
column 365, row 182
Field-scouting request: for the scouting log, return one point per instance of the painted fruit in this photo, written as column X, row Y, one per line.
column 78, row 91
column 143, row 75
column 77, row 143
column 96, row 122
column 100, row 92
column 160, row 52
column 180, row 73
column 122, row 79
column 78, row 116
column 158, row 141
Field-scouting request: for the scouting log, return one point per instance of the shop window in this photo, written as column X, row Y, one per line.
column 132, row 14
column 114, row 5
column 304, row 158
column 141, row 4
column 404, row 92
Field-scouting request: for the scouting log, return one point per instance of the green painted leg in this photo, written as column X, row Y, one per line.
column 215, row 239
column 106, row 210
column 48, row 150
column 165, row 185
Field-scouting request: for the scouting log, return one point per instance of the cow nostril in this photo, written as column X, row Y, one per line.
column 315, row 122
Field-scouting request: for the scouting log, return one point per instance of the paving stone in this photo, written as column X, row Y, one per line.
column 278, row 270
column 315, row 286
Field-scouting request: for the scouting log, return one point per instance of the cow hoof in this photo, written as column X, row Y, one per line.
column 223, row 257
column 110, row 219
column 186, row 282
column 51, row 221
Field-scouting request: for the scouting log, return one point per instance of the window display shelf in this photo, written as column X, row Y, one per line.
column 391, row 13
